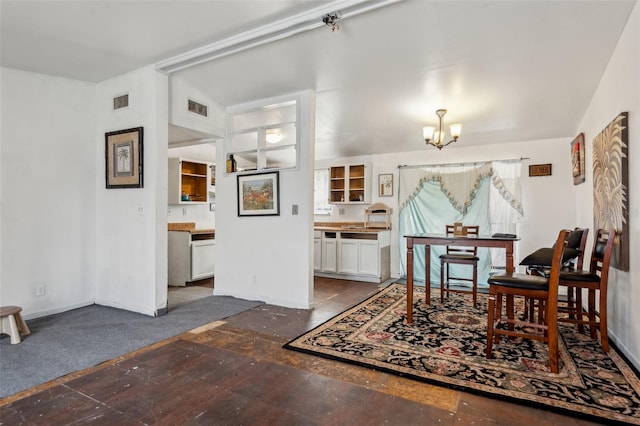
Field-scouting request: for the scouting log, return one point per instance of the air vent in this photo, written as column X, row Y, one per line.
column 121, row 102
column 198, row 108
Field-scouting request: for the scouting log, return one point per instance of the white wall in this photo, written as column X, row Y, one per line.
column 619, row 91
column 540, row 225
column 131, row 224
column 270, row 258
column 179, row 114
column 48, row 203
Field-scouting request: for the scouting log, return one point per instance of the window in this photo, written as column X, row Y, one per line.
column 321, row 192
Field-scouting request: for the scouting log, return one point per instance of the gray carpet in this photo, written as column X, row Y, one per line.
column 62, row 343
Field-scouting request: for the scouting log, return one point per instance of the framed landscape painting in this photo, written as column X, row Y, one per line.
column 259, row 194
column 123, row 158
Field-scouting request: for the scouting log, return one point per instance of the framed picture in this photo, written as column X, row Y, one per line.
column 577, row 159
column 540, row 170
column 611, row 186
column 123, row 158
column 385, row 185
column 259, row 194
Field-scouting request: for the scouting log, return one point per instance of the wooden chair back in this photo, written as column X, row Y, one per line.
column 471, row 230
column 601, row 253
column 583, row 245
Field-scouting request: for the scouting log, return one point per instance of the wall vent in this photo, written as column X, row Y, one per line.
column 198, row 108
column 121, row 102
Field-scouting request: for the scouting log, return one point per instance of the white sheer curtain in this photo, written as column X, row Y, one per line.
column 321, row 192
column 486, row 194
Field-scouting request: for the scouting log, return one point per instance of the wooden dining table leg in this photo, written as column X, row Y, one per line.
column 427, row 274
column 409, row 280
column 509, row 257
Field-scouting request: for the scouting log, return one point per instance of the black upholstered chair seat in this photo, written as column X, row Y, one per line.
column 572, row 275
column 521, row 281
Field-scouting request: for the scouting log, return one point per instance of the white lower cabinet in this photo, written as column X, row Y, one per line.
column 348, row 255
column 203, row 259
column 317, row 250
column 360, row 256
column 317, row 254
column 368, row 258
column 329, row 252
column 191, row 257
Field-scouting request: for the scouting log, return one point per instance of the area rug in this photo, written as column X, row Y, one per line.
column 446, row 345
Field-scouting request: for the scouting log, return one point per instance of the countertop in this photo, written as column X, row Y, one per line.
column 189, row 227
column 345, row 227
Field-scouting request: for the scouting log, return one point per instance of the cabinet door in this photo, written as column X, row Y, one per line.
column 368, row 258
column 348, row 256
column 317, row 254
column 329, row 250
column 203, row 259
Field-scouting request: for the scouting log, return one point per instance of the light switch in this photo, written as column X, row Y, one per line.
column 294, row 209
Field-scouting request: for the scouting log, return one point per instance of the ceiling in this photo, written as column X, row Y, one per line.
column 507, row 70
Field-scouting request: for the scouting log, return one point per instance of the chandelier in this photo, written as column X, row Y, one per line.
column 436, row 137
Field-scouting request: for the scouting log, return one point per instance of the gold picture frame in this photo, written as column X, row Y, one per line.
column 123, row 158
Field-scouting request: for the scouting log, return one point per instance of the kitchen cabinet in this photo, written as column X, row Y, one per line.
column 360, row 256
column 348, row 255
column 191, row 256
column 350, row 184
column 189, row 181
column 317, row 250
column 329, row 252
column 203, row 259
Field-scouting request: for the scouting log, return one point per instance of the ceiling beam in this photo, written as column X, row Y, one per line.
column 269, row 33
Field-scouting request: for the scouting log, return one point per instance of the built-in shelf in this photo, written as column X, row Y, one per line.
column 188, row 181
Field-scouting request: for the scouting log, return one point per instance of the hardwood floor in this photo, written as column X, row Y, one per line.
column 235, row 372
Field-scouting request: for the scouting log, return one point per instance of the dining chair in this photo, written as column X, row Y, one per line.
column 539, row 263
column 535, row 287
column 595, row 279
column 458, row 255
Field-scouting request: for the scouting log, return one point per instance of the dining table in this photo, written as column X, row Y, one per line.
column 496, row 240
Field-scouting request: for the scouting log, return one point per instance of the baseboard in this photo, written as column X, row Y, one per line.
column 132, row 308
column 57, row 310
column 624, row 350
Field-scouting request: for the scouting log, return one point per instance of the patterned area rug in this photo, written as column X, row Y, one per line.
column 446, row 345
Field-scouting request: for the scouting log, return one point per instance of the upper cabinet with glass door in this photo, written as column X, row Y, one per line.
column 264, row 137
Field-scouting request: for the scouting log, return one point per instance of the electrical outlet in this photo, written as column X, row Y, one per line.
column 40, row 290
column 294, row 209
